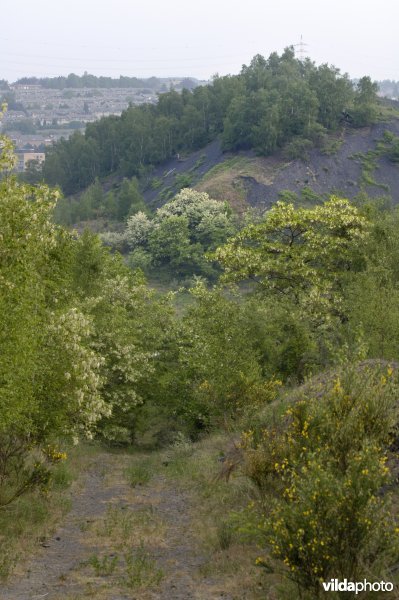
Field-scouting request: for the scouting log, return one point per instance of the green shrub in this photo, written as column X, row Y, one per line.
column 184, row 180
column 321, row 472
column 138, row 474
column 220, row 367
column 298, row 148
column 155, row 183
column 61, row 476
column 140, row 259
column 225, row 534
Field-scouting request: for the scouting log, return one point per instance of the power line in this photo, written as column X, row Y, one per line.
column 116, row 60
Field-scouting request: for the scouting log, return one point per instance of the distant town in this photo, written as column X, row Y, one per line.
column 38, row 115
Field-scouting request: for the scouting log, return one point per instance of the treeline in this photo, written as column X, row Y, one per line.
column 271, row 103
column 91, row 81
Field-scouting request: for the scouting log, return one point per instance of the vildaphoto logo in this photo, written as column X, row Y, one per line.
column 335, row 585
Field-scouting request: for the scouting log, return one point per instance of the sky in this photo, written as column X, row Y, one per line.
column 179, row 38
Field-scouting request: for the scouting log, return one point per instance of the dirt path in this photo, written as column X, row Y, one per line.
column 119, row 543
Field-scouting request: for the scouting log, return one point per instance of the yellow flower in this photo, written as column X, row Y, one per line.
column 337, row 387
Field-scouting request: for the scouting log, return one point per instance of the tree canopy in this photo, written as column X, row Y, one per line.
column 270, row 103
column 180, row 233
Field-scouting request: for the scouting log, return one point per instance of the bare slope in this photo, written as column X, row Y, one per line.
column 244, row 178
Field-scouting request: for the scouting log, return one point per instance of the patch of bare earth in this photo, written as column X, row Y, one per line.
column 119, row 543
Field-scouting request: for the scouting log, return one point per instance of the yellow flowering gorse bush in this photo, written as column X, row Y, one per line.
column 322, row 471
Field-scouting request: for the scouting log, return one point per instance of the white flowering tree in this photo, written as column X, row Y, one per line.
column 49, row 376
column 118, row 336
column 126, row 327
column 71, row 382
column 138, row 228
column 180, row 233
column 209, row 221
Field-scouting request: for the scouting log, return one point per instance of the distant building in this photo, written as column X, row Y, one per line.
column 30, row 87
column 25, row 157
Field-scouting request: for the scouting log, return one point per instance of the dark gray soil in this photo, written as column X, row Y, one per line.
column 207, row 158
column 324, row 174
column 64, row 551
column 55, row 572
column 179, row 559
column 337, row 173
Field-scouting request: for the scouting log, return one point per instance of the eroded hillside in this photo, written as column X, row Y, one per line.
column 349, row 163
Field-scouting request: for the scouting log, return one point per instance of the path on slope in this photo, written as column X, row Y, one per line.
column 119, row 543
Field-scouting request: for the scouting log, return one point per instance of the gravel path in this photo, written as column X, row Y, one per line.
column 178, row 558
column 58, row 570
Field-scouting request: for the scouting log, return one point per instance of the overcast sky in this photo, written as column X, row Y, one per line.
column 193, row 38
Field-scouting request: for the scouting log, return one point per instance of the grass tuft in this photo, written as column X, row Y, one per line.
column 141, row 569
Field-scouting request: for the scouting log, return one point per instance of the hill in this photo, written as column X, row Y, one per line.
column 352, row 161
column 273, row 104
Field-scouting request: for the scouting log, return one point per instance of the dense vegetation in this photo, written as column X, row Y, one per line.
column 176, row 239
column 115, row 205
column 271, row 103
column 88, row 350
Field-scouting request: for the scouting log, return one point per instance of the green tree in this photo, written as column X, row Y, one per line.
column 365, row 102
column 91, row 201
column 219, row 373
column 49, row 374
column 169, row 242
column 371, row 296
column 130, row 200
column 334, row 93
column 302, row 253
column 238, row 123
